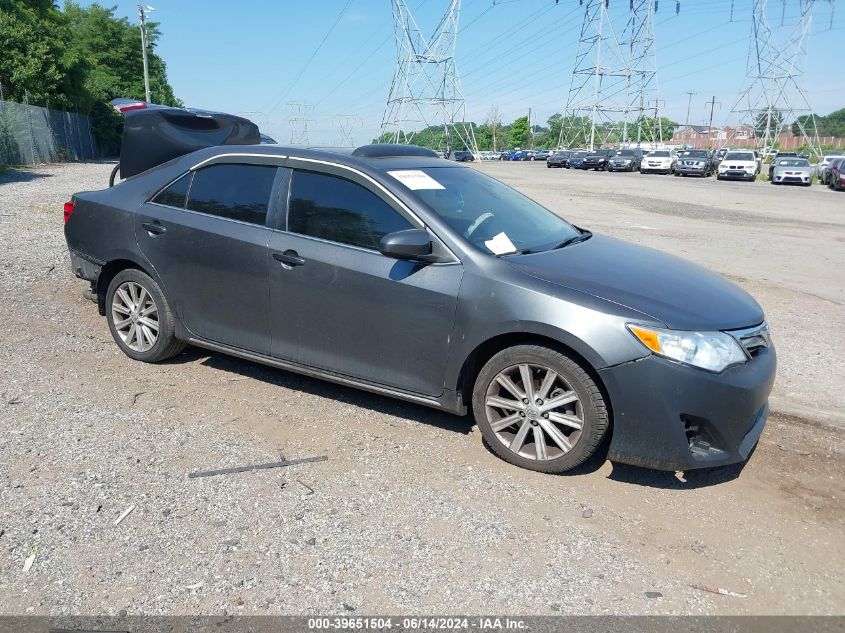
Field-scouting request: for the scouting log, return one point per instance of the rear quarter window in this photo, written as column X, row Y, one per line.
column 175, row 193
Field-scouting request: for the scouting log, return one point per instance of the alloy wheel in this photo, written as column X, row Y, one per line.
column 534, row 412
column 135, row 316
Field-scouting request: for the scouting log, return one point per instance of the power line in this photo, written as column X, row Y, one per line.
column 313, row 55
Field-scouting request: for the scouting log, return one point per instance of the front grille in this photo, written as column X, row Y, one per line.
column 753, row 339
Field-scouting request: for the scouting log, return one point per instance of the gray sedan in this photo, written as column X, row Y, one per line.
column 393, row 271
column 797, row 171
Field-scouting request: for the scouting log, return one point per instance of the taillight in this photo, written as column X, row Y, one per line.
column 69, row 207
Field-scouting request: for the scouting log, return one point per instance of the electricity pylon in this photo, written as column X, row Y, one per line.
column 643, row 99
column 597, row 107
column 426, row 90
column 347, row 123
column 613, row 95
column 772, row 96
column 300, row 117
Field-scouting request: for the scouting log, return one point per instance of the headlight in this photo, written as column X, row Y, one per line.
column 713, row 351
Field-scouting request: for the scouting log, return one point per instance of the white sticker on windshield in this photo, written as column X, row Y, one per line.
column 500, row 244
column 415, row 179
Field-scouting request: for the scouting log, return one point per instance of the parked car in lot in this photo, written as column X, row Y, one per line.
column 576, row 161
column 558, row 158
column 823, row 168
column 463, row 156
column 597, row 159
column 718, row 155
column 540, row 154
column 777, row 157
column 694, row 162
column 660, row 161
column 836, row 176
column 792, row 171
column 738, row 165
column 625, row 160
column 395, row 272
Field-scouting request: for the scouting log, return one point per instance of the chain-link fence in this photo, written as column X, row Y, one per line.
column 31, row 134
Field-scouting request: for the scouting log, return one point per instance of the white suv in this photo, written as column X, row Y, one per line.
column 738, row 165
column 659, row 161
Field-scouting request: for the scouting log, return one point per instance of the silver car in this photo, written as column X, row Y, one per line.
column 792, row 170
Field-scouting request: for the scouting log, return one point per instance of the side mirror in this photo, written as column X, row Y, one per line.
column 408, row 244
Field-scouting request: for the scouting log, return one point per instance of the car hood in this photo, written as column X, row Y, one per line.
column 678, row 293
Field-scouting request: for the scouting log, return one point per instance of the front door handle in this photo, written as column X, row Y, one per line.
column 154, row 227
column 289, row 257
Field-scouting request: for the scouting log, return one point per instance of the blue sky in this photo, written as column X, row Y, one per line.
column 251, row 57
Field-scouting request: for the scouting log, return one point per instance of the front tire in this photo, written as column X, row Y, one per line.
column 140, row 319
column 539, row 409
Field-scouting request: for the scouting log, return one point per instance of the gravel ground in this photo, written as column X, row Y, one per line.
column 410, row 514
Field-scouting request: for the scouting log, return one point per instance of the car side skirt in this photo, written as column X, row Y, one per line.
column 448, row 401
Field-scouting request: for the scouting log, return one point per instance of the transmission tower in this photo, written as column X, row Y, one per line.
column 347, row 124
column 643, row 102
column 597, row 107
column 772, row 96
column 426, row 90
column 300, row 117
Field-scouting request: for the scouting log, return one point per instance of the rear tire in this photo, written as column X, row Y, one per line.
column 140, row 319
column 542, row 435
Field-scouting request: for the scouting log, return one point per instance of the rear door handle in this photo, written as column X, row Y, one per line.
column 289, row 257
column 154, row 228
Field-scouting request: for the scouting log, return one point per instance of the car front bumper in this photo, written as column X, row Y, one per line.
column 671, row 416
column 691, row 170
column 792, row 179
column 629, row 166
column 736, row 174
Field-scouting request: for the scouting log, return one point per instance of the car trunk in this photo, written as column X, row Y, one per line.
column 153, row 135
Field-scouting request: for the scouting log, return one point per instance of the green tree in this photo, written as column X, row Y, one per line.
column 768, row 123
column 77, row 59
column 34, row 60
column 520, row 132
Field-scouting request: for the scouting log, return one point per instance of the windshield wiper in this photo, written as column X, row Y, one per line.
column 575, row 239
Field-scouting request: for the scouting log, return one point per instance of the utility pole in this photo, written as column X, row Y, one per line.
column 530, row 128
column 689, row 106
column 142, row 13
column 712, row 103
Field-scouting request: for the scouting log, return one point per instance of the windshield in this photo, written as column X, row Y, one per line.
column 794, row 162
column 697, row 154
column 659, row 154
column 486, row 212
column 581, row 154
column 739, row 156
column 626, row 152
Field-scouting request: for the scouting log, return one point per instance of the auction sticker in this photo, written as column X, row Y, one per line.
column 415, row 179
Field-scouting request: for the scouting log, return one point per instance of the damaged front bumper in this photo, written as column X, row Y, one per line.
column 670, row 416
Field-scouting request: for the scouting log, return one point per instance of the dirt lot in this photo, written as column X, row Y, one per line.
column 410, row 514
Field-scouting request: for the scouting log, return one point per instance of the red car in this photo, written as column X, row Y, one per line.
column 836, row 177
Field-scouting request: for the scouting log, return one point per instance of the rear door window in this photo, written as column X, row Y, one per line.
column 339, row 210
column 175, row 193
column 235, row 192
